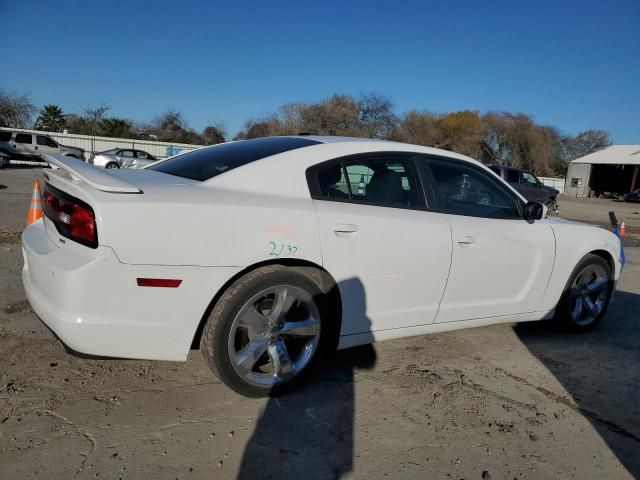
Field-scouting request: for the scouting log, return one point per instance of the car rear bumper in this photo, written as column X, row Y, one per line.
column 92, row 302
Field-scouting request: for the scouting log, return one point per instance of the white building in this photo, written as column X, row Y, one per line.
column 614, row 170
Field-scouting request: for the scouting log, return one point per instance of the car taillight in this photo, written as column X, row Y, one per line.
column 72, row 217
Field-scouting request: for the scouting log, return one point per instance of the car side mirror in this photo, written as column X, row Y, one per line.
column 535, row 211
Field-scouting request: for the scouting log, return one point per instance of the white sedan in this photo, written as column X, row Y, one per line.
column 267, row 253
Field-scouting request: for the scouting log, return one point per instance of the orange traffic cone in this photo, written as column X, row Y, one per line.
column 35, row 210
column 622, row 229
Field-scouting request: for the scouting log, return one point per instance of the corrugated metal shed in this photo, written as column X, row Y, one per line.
column 577, row 181
column 613, row 155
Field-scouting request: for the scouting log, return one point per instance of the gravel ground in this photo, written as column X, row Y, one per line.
column 528, row 401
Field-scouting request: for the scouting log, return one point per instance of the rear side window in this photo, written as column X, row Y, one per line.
column 513, row 176
column 23, row 138
column 495, row 169
column 5, row 136
column 206, row 163
column 126, row 153
column 380, row 180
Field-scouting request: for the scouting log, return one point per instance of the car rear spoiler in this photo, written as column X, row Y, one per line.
column 98, row 178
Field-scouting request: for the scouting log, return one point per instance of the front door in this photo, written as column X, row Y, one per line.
column 389, row 256
column 501, row 264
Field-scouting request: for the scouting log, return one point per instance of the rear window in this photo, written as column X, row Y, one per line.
column 209, row 162
column 5, row 136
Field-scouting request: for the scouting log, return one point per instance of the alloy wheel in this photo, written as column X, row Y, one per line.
column 274, row 335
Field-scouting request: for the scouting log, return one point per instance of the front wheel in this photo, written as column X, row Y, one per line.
column 265, row 331
column 112, row 165
column 587, row 295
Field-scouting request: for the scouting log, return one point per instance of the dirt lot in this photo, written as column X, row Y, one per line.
column 531, row 401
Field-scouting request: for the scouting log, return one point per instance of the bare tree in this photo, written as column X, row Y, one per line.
column 16, row 111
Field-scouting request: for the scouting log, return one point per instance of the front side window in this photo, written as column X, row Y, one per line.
column 5, row 136
column 466, row 190
column 23, row 138
column 383, row 181
column 528, row 179
column 45, row 141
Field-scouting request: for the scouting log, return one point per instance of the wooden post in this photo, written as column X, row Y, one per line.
column 635, row 177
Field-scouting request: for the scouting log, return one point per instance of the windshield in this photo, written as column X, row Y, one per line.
column 209, row 162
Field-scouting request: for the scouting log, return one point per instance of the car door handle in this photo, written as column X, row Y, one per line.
column 345, row 229
column 466, row 241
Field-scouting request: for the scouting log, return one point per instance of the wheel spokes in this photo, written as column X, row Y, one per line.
column 252, row 320
column 576, row 313
column 283, row 302
column 282, row 364
column 596, row 286
column 305, row 328
column 593, row 310
column 251, row 353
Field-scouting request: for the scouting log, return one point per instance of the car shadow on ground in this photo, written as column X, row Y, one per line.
column 308, row 433
column 600, row 370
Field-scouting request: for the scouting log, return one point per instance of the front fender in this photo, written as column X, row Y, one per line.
column 573, row 241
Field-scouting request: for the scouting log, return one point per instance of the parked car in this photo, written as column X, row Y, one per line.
column 529, row 186
column 269, row 253
column 29, row 146
column 4, row 159
column 123, row 158
column 633, row 196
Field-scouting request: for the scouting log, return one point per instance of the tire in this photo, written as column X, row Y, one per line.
column 112, row 165
column 258, row 352
column 587, row 294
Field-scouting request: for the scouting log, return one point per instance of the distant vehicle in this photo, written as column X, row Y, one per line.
column 28, row 146
column 633, row 196
column 269, row 252
column 527, row 184
column 4, row 160
column 123, row 158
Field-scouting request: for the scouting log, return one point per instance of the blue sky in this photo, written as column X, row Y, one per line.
column 572, row 64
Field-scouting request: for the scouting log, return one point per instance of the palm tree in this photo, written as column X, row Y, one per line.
column 51, row 118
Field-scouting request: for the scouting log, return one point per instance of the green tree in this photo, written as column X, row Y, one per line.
column 51, row 118
column 116, row 127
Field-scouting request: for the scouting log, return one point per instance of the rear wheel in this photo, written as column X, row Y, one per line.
column 265, row 331
column 587, row 295
column 112, row 165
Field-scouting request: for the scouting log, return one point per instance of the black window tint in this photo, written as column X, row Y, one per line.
column 23, row 138
column 513, row 176
column 332, row 182
column 206, row 163
column 5, row 136
column 383, row 181
column 495, row 169
column 465, row 190
column 45, row 141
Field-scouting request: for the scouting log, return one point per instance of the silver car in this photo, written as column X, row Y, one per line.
column 123, row 158
column 28, row 146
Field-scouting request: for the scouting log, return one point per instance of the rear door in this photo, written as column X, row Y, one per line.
column 23, row 146
column 389, row 255
column 500, row 263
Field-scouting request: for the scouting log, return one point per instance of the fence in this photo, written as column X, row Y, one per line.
column 91, row 143
column 554, row 182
